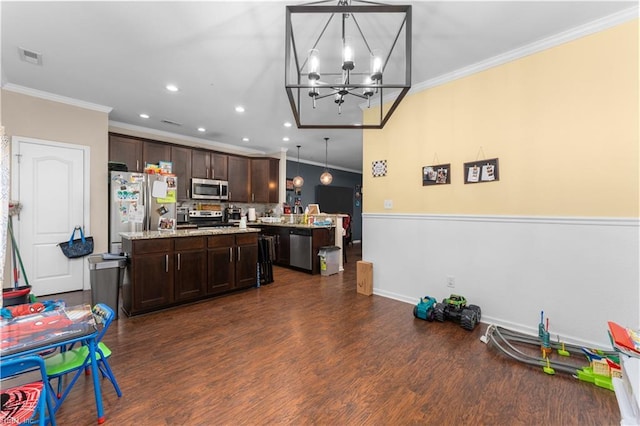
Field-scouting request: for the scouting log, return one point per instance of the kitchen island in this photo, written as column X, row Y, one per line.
column 169, row 268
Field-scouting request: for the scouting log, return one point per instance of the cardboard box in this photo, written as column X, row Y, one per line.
column 364, row 277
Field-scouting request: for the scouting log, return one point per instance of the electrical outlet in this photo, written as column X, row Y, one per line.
column 388, row 204
column 451, row 281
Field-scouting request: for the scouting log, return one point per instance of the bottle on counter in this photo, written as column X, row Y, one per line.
column 305, row 218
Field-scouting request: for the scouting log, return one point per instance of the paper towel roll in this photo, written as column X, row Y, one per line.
column 251, row 214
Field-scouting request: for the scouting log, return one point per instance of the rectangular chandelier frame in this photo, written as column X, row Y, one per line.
column 297, row 91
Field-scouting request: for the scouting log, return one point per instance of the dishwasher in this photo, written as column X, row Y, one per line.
column 300, row 251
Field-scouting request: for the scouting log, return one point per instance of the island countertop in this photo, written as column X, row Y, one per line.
column 224, row 230
column 290, row 225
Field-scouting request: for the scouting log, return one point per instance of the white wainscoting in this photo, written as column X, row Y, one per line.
column 582, row 272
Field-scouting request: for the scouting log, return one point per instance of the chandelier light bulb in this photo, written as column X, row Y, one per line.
column 347, row 58
column 313, row 60
column 376, row 68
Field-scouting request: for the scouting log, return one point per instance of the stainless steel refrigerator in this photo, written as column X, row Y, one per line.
column 140, row 202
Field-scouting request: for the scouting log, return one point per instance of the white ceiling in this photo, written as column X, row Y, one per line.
column 223, row 54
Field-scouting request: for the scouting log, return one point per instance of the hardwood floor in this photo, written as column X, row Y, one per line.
column 310, row 350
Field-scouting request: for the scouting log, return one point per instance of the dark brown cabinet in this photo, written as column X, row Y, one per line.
column 251, row 180
column 150, row 283
column 200, row 164
column 264, row 180
column 126, row 150
column 232, row 262
column 154, row 152
column 181, row 159
column 221, row 275
column 246, row 260
column 209, row 165
column 281, row 241
column 239, row 175
column 164, row 272
column 220, row 166
column 190, row 257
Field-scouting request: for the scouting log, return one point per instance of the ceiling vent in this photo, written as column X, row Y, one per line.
column 173, row 123
column 30, row 56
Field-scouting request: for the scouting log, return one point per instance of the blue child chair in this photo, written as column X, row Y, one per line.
column 75, row 360
column 28, row 403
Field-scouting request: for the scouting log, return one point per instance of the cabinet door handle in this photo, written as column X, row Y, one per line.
column 230, row 254
column 179, row 263
column 238, row 255
column 137, row 165
column 253, row 197
column 166, row 263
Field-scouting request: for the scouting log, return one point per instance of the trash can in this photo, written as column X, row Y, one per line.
column 329, row 260
column 106, row 273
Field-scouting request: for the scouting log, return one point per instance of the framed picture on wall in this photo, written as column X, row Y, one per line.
column 481, row 171
column 436, row 175
column 289, row 184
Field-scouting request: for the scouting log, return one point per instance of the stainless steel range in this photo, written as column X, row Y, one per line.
column 207, row 218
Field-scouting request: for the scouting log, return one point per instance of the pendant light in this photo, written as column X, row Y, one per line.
column 298, row 181
column 326, row 177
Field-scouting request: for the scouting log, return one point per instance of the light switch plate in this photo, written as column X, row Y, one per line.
column 388, row 204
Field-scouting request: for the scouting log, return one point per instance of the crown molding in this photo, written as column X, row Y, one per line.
column 55, row 98
column 115, row 126
column 523, row 51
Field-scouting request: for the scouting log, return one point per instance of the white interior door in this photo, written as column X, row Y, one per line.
column 49, row 179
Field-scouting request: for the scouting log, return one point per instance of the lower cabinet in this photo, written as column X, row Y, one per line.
column 190, row 257
column 232, row 262
column 150, row 275
column 163, row 272
column 281, row 241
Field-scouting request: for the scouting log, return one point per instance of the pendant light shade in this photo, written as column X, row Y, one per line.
column 298, row 181
column 326, row 178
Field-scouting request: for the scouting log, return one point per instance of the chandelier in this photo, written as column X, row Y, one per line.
column 358, row 56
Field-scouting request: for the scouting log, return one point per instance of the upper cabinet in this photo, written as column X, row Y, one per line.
column 200, row 164
column 154, row 152
column 181, row 159
column 209, row 164
column 251, row 180
column 220, row 166
column 264, row 180
column 239, row 175
column 126, row 150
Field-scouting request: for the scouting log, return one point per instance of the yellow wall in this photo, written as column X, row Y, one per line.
column 563, row 123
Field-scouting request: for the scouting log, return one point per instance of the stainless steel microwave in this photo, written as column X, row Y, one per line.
column 209, row 189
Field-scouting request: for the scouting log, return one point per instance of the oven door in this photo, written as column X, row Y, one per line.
column 205, row 189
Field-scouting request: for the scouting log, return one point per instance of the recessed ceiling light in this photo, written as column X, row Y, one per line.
column 239, row 109
column 287, row 124
column 201, row 129
column 144, row 115
column 171, row 87
column 286, row 139
column 245, row 139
